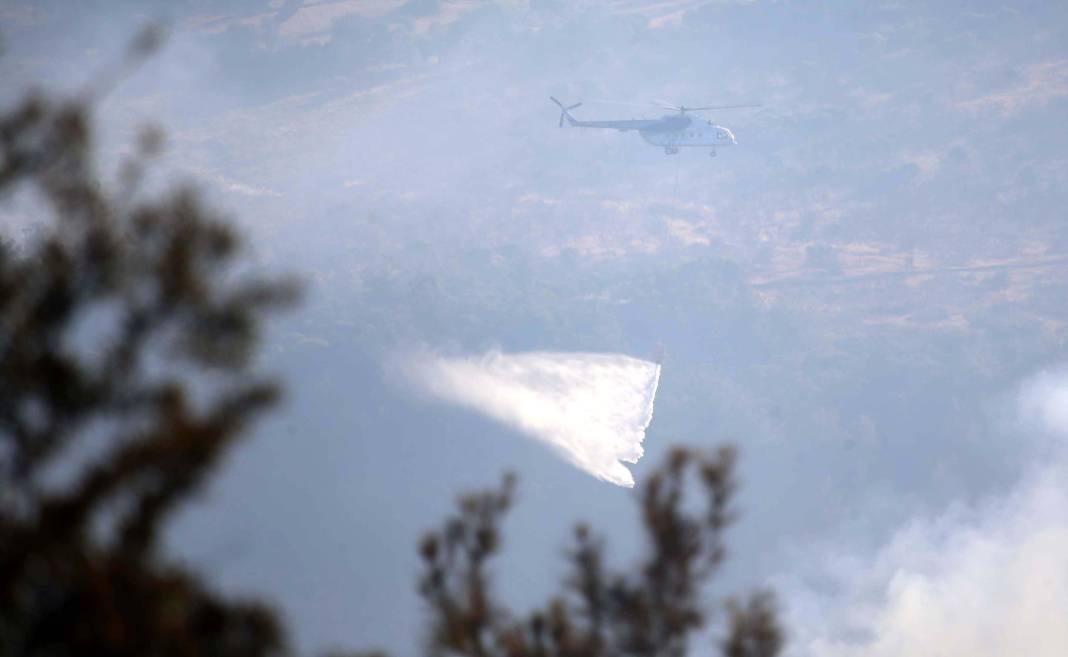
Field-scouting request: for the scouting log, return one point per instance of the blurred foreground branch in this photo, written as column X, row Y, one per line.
column 126, row 349
column 650, row 611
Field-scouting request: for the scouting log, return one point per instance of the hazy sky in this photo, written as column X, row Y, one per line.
column 866, row 294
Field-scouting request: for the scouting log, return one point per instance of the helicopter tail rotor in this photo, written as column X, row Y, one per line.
column 565, row 111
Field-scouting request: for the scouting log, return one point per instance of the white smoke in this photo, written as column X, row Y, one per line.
column 981, row 580
column 592, row 409
column 1044, row 402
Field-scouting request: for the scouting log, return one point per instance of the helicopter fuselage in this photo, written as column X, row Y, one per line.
column 684, row 131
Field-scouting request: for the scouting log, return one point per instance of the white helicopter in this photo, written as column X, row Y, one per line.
column 671, row 131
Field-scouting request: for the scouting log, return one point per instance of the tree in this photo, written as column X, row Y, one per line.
column 650, row 611
column 126, row 373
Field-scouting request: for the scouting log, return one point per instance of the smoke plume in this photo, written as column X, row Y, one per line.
column 983, row 579
column 590, row 408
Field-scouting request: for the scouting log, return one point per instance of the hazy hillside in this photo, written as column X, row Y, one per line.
column 852, row 293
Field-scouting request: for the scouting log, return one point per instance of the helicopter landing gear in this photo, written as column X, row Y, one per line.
column 670, row 150
column 712, row 153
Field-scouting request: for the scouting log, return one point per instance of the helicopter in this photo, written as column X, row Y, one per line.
column 671, row 131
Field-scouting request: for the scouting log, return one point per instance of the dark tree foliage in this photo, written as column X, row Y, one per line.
column 126, row 340
column 652, row 610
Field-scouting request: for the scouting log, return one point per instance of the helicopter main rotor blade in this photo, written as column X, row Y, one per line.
column 667, row 105
column 621, row 103
column 719, row 107
column 684, row 108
